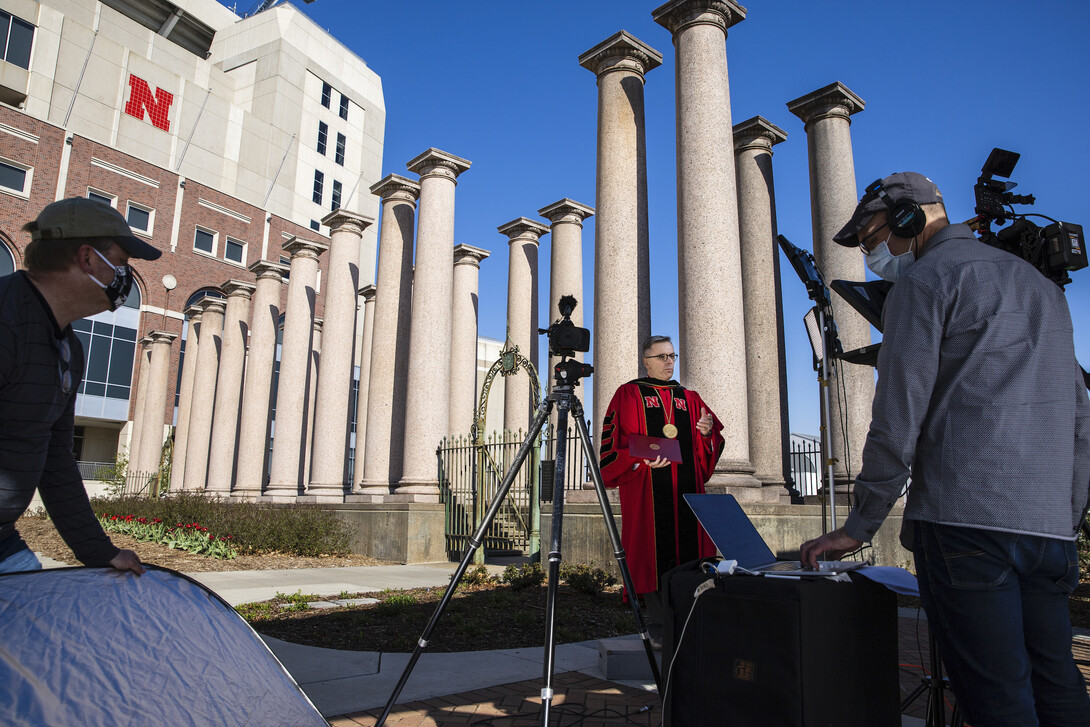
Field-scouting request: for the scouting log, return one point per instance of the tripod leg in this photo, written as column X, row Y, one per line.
column 471, row 548
column 615, row 539
column 562, row 394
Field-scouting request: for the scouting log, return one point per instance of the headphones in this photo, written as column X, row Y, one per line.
column 906, row 219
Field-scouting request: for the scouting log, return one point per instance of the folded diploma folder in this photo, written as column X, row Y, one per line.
column 652, row 447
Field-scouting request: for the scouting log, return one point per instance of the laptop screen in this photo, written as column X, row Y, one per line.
column 731, row 530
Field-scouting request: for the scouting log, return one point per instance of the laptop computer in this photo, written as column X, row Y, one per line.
column 737, row 539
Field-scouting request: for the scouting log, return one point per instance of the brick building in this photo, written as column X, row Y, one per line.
column 219, row 137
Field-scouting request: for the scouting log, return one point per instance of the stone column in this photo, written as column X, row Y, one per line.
column 712, row 344
column 185, row 398
column 253, row 436
column 622, row 283
column 427, row 409
column 565, row 270
column 151, row 433
column 204, row 392
column 221, row 459
column 289, row 434
column 312, row 391
column 138, row 409
column 367, row 292
column 765, row 372
column 383, row 450
column 827, row 114
column 463, row 339
column 329, row 473
column 524, row 236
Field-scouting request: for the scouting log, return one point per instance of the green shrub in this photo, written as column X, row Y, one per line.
column 478, row 576
column 397, row 603
column 586, row 578
column 523, row 576
column 305, row 530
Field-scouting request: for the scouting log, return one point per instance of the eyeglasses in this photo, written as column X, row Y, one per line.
column 63, row 364
column 665, row 357
column 863, row 243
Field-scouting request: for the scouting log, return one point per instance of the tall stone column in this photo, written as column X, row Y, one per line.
column 427, row 409
column 329, row 475
column 463, row 339
column 221, row 459
column 138, row 408
column 151, row 433
column 383, row 451
column 765, row 370
column 185, row 397
column 253, row 435
column 622, row 282
column 312, row 392
column 712, row 342
column 204, row 392
column 367, row 293
column 524, row 236
column 565, row 270
column 827, row 114
column 289, row 433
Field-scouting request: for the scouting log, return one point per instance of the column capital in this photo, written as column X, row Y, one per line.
column 469, row 255
column 367, row 292
column 193, row 312
column 395, row 186
column 435, row 162
column 304, row 248
column 621, row 51
column 238, row 289
column 268, row 270
column 757, row 133
column 212, row 304
column 834, row 100
column 523, row 228
column 566, row 210
column 677, row 15
column 342, row 218
column 155, row 337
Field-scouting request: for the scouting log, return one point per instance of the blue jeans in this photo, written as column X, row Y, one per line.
column 998, row 605
column 23, row 560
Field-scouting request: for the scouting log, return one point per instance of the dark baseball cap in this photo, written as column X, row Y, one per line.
column 79, row 217
column 899, row 186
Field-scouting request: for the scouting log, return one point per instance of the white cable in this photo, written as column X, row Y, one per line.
column 700, row 590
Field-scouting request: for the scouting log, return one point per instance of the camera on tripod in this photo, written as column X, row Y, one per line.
column 1055, row 250
column 565, row 340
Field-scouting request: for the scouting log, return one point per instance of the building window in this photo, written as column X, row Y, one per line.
column 16, row 41
column 327, row 94
column 340, row 149
column 140, row 218
column 15, row 178
column 344, row 107
column 235, row 251
column 101, row 197
column 287, row 273
column 204, row 241
column 319, row 181
column 109, row 351
column 336, row 201
column 314, row 225
column 7, row 260
column 323, row 135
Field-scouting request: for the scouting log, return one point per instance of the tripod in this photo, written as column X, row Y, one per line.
column 563, row 396
column 935, row 685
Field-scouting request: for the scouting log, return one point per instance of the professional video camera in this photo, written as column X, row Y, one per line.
column 1055, row 250
column 565, row 339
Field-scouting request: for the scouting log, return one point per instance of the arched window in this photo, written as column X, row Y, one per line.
column 7, row 260
column 109, row 351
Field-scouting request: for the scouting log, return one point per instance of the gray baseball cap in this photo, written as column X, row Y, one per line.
column 899, row 186
column 79, row 217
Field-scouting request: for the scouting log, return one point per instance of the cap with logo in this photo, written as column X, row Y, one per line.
column 897, row 187
column 79, row 217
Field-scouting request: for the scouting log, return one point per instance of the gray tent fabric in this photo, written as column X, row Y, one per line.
column 95, row 646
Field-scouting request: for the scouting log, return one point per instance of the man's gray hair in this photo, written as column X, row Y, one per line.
column 652, row 341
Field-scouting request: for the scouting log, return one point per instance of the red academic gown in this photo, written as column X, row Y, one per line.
column 659, row 530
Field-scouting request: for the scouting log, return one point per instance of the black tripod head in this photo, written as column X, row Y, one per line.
column 569, row 371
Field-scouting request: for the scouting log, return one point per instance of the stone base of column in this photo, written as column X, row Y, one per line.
column 427, row 491
column 279, row 497
column 325, row 493
column 736, row 478
column 366, row 498
column 245, row 495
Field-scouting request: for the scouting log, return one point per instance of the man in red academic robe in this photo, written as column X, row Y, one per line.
column 658, row 529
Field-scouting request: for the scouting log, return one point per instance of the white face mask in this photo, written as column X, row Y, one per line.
column 886, row 265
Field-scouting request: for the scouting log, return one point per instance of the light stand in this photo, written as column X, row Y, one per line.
column 567, row 374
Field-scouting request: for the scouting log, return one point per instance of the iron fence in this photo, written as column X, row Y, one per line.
column 95, row 470
column 576, row 465
column 806, row 466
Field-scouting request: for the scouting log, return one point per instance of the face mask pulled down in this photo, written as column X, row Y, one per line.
column 886, row 265
column 118, row 289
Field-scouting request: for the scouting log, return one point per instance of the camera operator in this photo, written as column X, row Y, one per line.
column 658, row 531
column 76, row 266
column 980, row 398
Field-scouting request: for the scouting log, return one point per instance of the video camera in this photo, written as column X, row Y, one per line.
column 1055, row 250
column 565, row 340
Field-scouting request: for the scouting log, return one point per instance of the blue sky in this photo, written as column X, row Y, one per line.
column 498, row 83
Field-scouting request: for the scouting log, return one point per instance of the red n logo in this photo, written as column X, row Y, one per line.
column 157, row 104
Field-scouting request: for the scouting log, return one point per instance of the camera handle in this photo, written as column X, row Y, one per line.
column 565, row 397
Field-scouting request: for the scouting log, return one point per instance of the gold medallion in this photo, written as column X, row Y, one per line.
column 669, row 431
